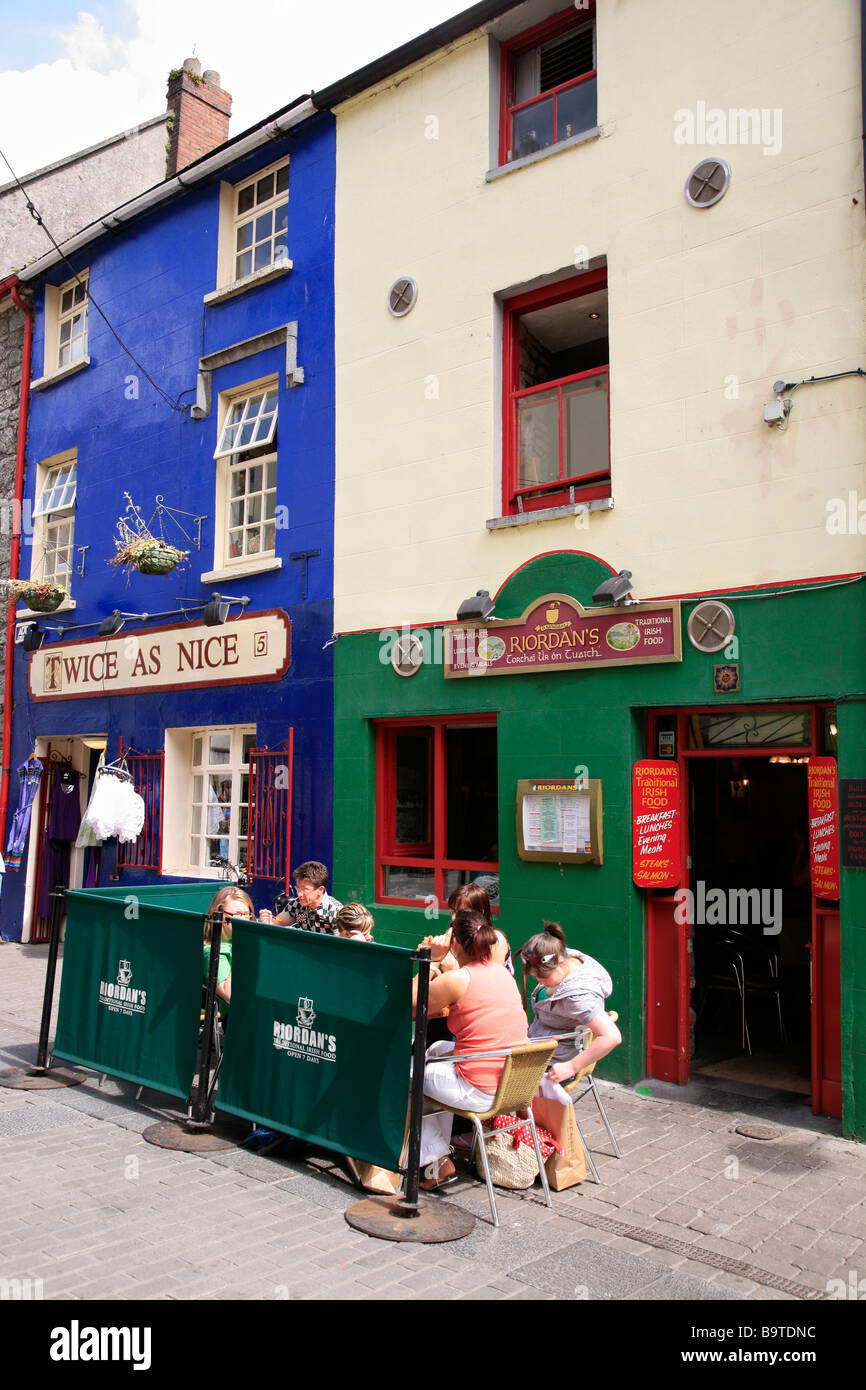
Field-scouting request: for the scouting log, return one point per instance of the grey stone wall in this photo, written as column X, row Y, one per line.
column 72, row 193
column 11, row 341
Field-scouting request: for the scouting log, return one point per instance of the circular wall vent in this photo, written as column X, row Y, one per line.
column 707, row 183
column 407, row 655
column 402, row 296
column 711, row 626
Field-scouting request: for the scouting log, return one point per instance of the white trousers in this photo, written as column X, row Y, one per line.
column 441, row 1082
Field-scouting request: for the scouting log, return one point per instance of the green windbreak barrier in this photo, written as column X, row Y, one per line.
column 319, row 1039
column 188, row 897
column 130, row 997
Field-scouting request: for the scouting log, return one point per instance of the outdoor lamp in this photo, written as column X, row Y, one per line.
column 614, row 590
column 114, row 622
column 33, row 638
column 217, row 610
column 479, row 607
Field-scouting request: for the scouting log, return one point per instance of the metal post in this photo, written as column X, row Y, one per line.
column 409, row 1204
column 199, row 1115
column 58, row 898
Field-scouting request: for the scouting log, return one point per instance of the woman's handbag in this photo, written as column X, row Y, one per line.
column 511, row 1158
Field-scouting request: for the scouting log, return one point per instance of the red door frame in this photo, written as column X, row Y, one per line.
column 668, row 995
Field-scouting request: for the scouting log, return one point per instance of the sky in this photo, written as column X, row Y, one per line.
column 71, row 76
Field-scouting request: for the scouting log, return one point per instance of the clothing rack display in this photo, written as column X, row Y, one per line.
column 115, row 807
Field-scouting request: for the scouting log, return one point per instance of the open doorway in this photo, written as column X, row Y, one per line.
column 751, row 921
column 54, row 859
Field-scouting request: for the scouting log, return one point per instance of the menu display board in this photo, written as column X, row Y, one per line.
column 852, row 819
column 559, row 821
column 655, row 846
column 824, row 827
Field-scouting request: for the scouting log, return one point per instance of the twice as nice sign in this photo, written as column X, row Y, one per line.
column 184, row 656
column 558, row 634
column 655, row 802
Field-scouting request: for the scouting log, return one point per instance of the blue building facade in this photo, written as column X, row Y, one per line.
column 221, row 289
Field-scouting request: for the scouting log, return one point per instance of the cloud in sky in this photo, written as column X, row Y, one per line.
column 86, row 74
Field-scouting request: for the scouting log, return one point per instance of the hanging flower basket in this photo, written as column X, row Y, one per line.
column 158, row 558
column 39, row 598
column 138, row 549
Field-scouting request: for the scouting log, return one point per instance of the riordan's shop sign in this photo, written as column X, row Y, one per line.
column 655, row 801
column 558, row 634
column 823, row 790
column 185, row 656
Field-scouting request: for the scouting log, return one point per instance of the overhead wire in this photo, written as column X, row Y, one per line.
column 40, row 221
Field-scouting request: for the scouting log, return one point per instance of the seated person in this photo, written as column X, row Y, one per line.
column 470, row 898
column 354, row 921
column 571, row 990
column 310, row 908
column 485, row 1014
column 232, row 902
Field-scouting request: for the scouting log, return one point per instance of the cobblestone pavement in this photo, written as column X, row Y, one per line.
column 692, row 1210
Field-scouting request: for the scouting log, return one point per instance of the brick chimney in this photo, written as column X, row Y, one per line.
column 199, row 112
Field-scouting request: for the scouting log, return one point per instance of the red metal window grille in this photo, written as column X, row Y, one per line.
column 548, row 84
column 270, row 812
column 422, row 809
column 147, row 776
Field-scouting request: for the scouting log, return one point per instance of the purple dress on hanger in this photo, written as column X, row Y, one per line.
column 64, row 818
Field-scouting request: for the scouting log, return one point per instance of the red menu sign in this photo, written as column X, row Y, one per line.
column 824, row 827
column 557, row 634
column 655, row 805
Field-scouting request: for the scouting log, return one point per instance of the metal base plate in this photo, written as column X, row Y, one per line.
column 437, row 1221
column 750, row 1131
column 171, row 1134
column 29, row 1079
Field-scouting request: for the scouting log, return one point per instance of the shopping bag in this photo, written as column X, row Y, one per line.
column 568, row 1168
column 376, row 1179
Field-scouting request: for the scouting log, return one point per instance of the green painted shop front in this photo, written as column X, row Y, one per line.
column 798, row 645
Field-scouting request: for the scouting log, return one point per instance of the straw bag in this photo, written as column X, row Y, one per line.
column 509, row 1167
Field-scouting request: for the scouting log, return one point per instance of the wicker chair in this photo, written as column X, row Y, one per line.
column 591, row 1088
column 524, row 1067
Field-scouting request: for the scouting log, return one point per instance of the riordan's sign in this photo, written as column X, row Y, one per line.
column 558, row 634
column 184, row 656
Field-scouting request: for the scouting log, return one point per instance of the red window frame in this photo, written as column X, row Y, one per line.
column 581, row 487
column 387, row 854
column 523, row 43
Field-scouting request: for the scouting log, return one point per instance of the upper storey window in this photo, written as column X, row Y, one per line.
column 548, row 85
column 261, row 221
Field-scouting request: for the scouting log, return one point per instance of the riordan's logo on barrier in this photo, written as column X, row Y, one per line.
column 118, row 996
column 306, row 1015
column 301, row 1040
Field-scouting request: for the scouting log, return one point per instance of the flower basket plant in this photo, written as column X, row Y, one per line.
column 39, row 598
column 138, row 549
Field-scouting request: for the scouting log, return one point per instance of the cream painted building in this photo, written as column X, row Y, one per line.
column 707, row 306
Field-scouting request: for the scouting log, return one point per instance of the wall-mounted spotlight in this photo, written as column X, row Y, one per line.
column 114, row 622
column 33, row 638
column 615, row 590
column 477, row 608
column 217, row 610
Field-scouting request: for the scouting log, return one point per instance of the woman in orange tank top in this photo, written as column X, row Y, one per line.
column 485, row 1014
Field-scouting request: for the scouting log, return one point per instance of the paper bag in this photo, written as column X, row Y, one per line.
column 375, row 1179
column 568, row 1168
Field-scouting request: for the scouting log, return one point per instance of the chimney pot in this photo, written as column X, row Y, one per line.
column 211, row 78
column 192, row 65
